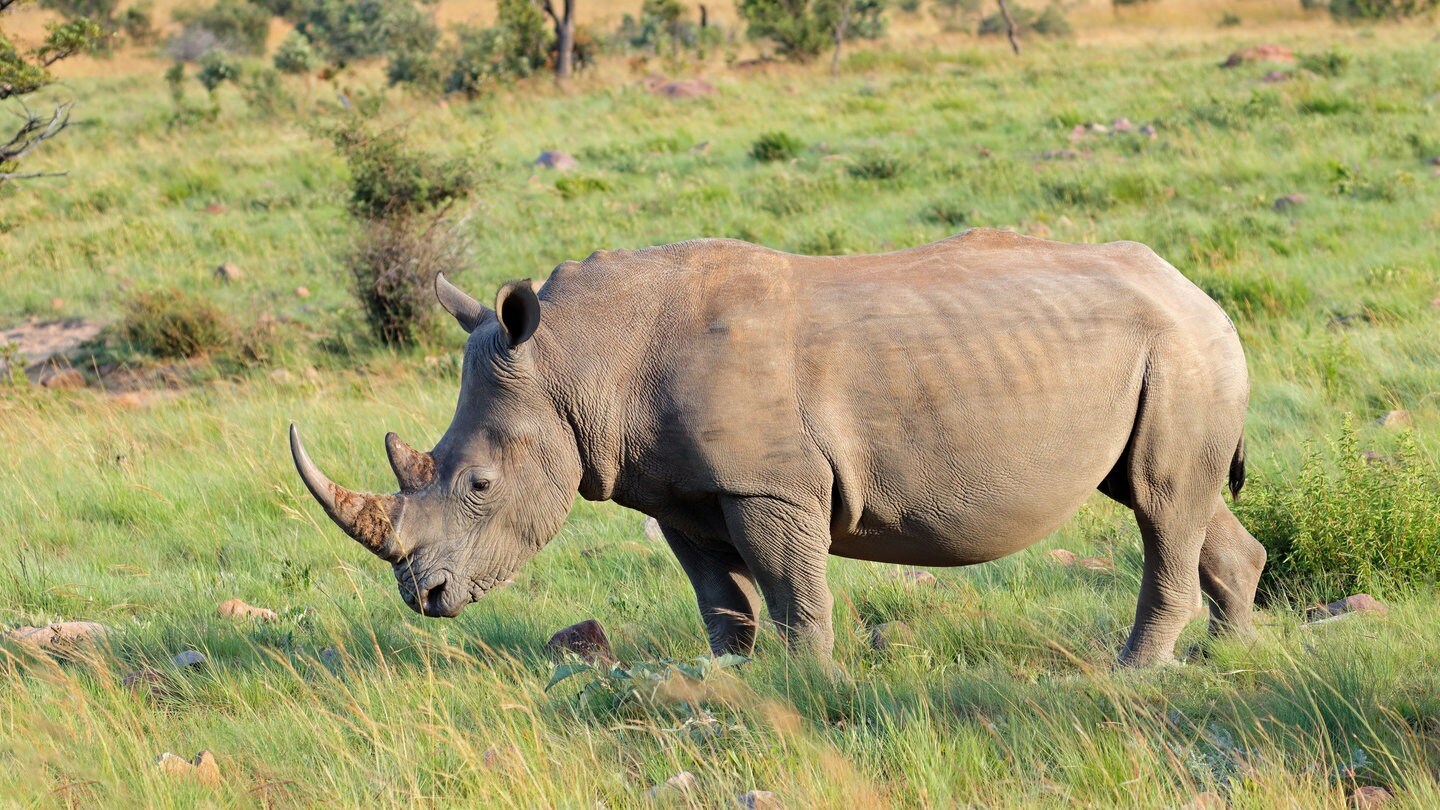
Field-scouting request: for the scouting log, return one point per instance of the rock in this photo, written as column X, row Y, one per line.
column 1260, row 53
column 886, row 636
column 679, row 785
column 1098, row 128
column 60, row 634
column 555, row 159
column 228, row 272
column 236, row 609
column 146, row 682
column 1121, row 125
column 1289, row 201
column 302, row 292
column 1355, row 603
column 202, row 768
column 59, row 303
column 1077, row 133
column 1395, row 419
column 586, row 639
column 1275, row 77
column 63, row 378
column 1369, row 796
column 916, row 578
column 1070, row 559
column 214, row 208
column 652, row 530
column 1208, row 800
column 1149, row 131
column 683, row 88
column 759, row 800
column 189, row 659
column 281, row 376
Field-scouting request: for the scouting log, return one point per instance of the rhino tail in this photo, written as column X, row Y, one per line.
column 1237, row 470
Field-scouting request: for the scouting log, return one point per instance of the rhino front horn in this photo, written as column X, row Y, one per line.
column 413, row 469
column 367, row 518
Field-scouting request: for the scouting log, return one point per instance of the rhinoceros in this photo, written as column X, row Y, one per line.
column 943, row 405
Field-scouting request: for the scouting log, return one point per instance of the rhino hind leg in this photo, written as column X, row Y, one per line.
column 1230, row 564
column 724, row 590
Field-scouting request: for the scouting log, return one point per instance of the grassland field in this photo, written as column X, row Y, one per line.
column 145, row 511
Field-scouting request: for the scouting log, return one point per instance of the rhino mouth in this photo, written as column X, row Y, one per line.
column 442, row 595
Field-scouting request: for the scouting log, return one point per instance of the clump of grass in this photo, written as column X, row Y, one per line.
column 775, row 146
column 174, row 324
column 579, row 186
column 877, row 166
column 948, row 212
column 1350, row 521
column 1329, row 62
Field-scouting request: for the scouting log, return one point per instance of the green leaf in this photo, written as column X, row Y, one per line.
column 567, row 671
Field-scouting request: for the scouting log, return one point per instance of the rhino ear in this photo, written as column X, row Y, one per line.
column 469, row 312
column 519, row 311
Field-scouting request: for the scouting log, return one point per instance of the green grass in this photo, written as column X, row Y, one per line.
column 145, row 514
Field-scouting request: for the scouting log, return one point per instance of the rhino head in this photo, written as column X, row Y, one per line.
column 494, row 490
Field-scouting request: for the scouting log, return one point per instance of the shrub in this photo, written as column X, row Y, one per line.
column 353, row 30
column 475, row 61
column 173, row 324
column 417, row 69
column 526, row 38
column 216, row 68
column 801, row 29
column 1052, row 22
column 266, row 93
column 660, row 27
column 775, row 146
column 1349, row 521
column 138, row 24
column 876, row 166
column 296, row 55
column 1330, row 62
column 393, row 267
column 388, row 178
column 236, row 25
column 1381, row 9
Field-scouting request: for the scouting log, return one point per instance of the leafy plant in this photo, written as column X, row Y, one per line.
column 296, row 55
column 354, row 30
column 1350, row 521
column 1351, row 10
column 645, row 684
column 390, row 178
column 235, row 25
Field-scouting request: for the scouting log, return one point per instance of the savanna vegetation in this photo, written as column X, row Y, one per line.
column 318, row 171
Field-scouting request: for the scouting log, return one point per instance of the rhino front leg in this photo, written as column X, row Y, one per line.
column 786, row 548
column 724, row 589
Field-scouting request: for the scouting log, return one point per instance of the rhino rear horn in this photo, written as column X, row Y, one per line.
column 366, row 517
column 413, row 469
column 469, row 312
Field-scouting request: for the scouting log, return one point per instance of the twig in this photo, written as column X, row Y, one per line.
column 1009, row 26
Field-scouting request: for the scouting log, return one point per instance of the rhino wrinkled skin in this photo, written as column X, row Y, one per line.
column 943, row 405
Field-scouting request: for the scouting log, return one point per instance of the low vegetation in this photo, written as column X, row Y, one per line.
column 1300, row 195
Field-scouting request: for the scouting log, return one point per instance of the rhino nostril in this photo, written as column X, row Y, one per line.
column 432, row 598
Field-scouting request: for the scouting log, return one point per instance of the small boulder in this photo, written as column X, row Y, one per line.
column 1070, row 559
column 1260, row 53
column 683, row 88
column 60, row 635
column 236, row 609
column 652, row 530
column 919, row 579
column 1098, row 128
column 1077, row 133
column 555, row 159
column 759, row 800
column 202, row 768
column 1064, row 557
column 1395, row 419
column 1367, row 797
column 884, row 637
column 1121, row 125
column 1355, row 603
column 282, row 376
column 1289, row 201
column 227, row 273
column 63, row 378
column 214, row 208
column 680, row 785
column 1149, row 131
column 1275, row 77
column 302, row 292
column 586, row 639
column 189, row 659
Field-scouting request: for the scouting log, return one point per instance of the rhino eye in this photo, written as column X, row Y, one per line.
column 479, row 485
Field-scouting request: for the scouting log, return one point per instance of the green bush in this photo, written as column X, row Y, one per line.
column 1381, row 9
column 392, row 271
column 216, row 68
column 296, row 56
column 389, row 178
column 775, row 146
column 354, row 30
column 174, row 324
column 801, row 29
column 236, row 25
column 1350, row 521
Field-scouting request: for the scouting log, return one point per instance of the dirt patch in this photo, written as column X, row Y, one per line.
column 41, row 343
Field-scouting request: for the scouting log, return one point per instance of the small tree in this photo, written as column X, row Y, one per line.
column 23, row 74
column 801, row 29
column 296, row 56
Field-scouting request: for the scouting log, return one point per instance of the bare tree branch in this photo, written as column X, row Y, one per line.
column 1009, row 26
